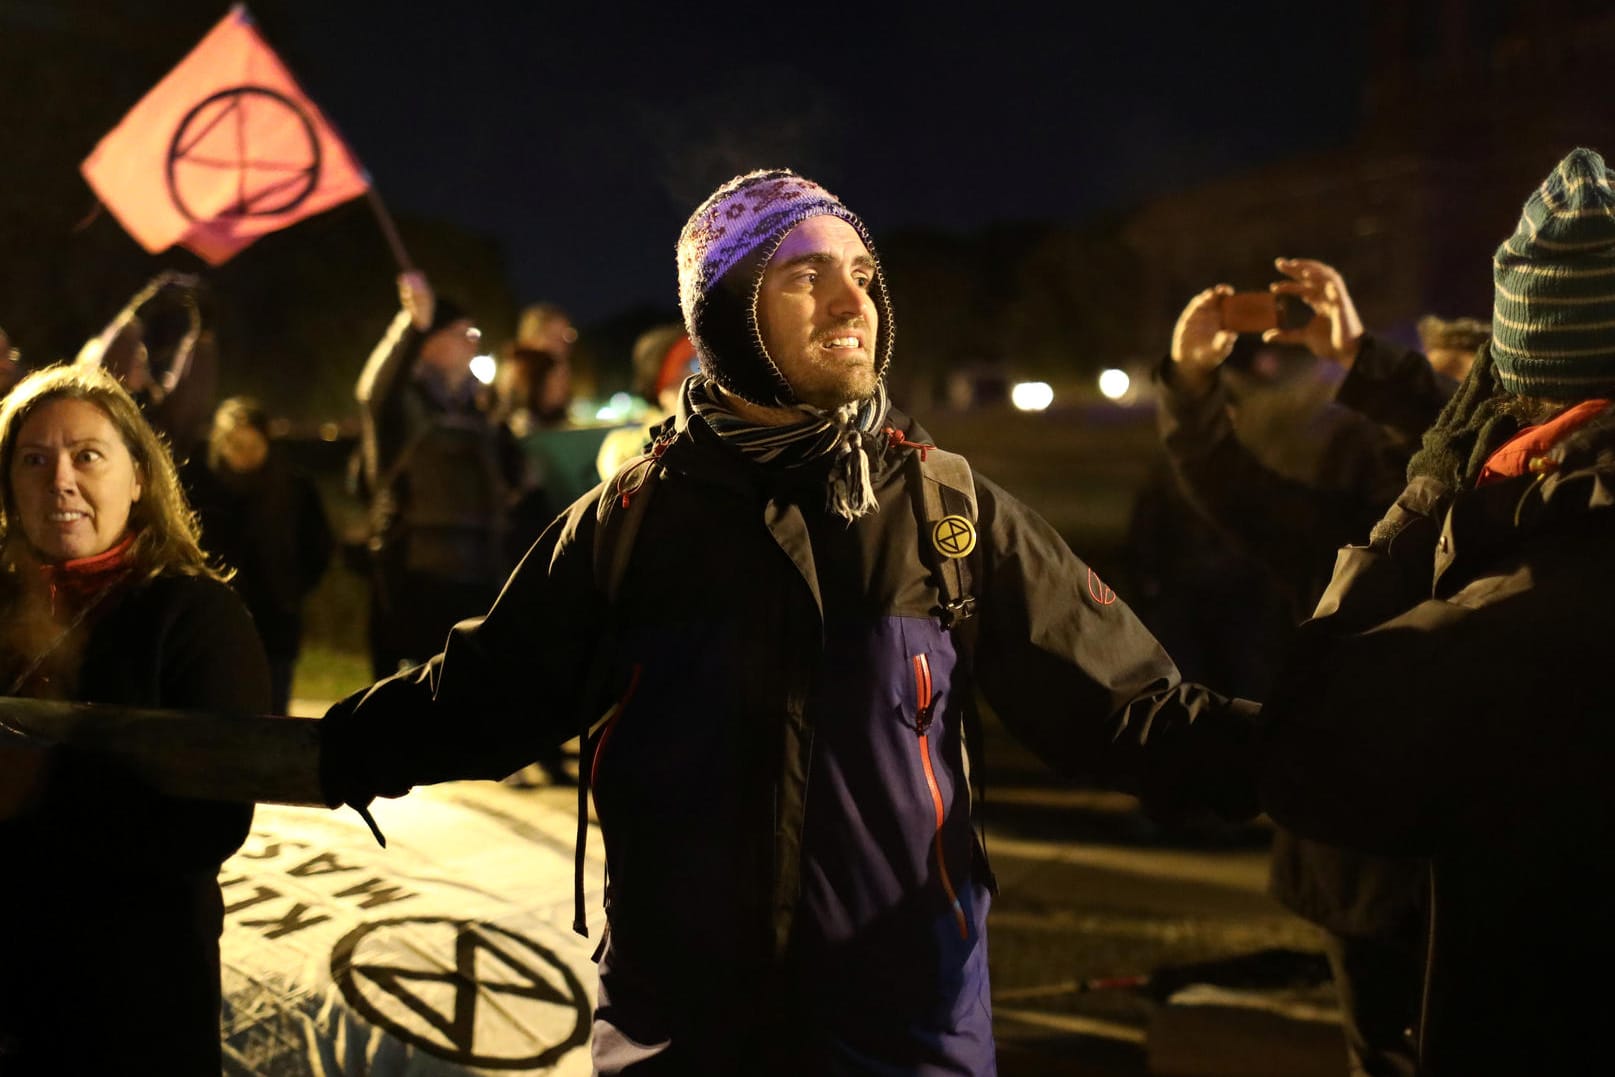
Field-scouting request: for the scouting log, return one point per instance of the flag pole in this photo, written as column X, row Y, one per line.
column 383, row 218
column 389, row 229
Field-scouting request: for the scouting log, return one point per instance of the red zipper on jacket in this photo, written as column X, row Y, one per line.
column 922, row 723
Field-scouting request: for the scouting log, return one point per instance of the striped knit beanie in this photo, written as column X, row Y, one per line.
column 1553, row 312
column 722, row 252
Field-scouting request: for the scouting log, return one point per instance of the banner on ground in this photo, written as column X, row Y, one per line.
column 448, row 954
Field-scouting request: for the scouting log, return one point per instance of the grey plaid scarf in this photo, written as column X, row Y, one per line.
column 850, row 434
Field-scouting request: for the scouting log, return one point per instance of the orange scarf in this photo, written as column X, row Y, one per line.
column 1525, row 450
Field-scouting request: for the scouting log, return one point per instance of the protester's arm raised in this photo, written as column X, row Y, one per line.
column 384, row 371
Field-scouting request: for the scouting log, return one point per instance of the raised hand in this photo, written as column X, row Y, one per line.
column 1199, row 341
column 1335, row 331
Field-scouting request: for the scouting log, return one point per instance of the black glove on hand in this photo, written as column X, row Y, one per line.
column 345, row 776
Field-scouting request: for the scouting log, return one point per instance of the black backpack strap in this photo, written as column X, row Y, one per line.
column 948, row 495
column 618, row 515
column 950, row 544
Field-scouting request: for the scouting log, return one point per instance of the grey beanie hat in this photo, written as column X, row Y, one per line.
column 1553, row 310
column 722, row 253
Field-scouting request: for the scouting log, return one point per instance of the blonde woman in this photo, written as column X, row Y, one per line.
column 111, row 909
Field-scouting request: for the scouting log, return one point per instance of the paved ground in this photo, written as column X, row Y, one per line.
column 1091, row 891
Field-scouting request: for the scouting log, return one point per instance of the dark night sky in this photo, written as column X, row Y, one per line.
column 584, row 137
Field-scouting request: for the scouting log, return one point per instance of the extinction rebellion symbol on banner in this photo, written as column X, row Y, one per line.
column 225, row 133
column 470, row 993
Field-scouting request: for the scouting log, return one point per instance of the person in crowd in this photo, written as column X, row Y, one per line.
column 11, row 368
column 1443, row 702
column 1294, row 521
column 1372, row 908
column 1450, row 345
column 264, row 519
column 111, row 905
column 1214, row 607
column 795, row 885
column 536, row 374
column 533, row 395
column 523, row 420
column 437, row 483
column 663, row 357
column 163, row 350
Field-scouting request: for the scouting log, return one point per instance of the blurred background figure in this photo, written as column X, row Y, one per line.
column 1292, row 501
column 161, row 347
column 1451, row 345
column 106, row 597
column 1215, row 609
column 532, row 402
column 435, row 480
column 263, row 518
column 538, row 368
column 663, row 357
column 11, row 368
column 532, row 392
column 551, row 450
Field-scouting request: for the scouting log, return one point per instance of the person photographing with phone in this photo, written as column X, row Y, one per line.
column 1372, row 908
column 1293, row 517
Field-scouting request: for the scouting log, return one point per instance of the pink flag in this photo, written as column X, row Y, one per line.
column 226, row 148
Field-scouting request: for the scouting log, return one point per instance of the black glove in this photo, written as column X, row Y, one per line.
column 345, row 773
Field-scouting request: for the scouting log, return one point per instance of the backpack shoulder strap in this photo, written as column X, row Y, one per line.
column 950, row 545
column 948, row 529
column 618, row 515
column 621, row 509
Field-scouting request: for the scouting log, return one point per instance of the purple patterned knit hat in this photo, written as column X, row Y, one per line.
column 722, row 252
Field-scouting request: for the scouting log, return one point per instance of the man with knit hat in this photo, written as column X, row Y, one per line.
column 786, row 675
column 1447, row 701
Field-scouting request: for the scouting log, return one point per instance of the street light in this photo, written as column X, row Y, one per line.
column 1114, row 383
column 1031, row 395
column 483, row 368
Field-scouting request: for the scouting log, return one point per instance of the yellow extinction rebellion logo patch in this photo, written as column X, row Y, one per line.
column 953, row 536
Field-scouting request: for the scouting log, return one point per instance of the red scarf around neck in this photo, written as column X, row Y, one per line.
column 1519, row 453
column 73, row 583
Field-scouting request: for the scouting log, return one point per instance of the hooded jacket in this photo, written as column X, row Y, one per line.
column 1446, row 702
column 794, row 883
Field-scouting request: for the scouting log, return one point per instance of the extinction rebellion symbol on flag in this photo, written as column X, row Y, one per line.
column 223, row 136
column 470, row 993
column 225, row 149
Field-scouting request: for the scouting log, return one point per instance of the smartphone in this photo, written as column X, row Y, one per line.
column 1257, row 312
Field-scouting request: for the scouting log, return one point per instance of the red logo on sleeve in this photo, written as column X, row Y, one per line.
column 1098, row 591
